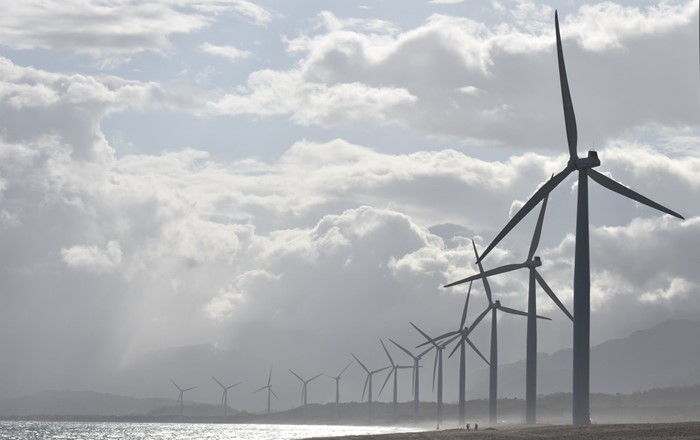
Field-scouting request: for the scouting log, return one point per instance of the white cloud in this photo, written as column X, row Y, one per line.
column 228, row 52
column 93, row 258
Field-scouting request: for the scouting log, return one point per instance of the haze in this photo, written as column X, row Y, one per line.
column 288, row 182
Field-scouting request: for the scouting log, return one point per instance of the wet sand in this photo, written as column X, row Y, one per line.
column 686, row 430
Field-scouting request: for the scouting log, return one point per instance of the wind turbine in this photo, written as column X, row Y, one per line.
column 304, row 385
column 337, row 382
column 394, row 371
column 181, row 395
column 437, row 367
column 224, row 394
column 531, row 263
column 269, row 391
column 368, row 381
column 416, row 376
column 582, row 280
column 462, row 334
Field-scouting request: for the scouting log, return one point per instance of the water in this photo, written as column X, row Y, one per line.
column 179, row 431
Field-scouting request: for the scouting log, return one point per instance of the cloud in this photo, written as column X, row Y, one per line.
column 92, row 258
column 616, row 57
column 114, row 27
column 228, row 52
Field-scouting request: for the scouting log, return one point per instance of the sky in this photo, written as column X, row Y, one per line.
column 295, row 180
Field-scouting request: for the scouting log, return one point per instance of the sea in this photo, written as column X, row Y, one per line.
column 29, row 430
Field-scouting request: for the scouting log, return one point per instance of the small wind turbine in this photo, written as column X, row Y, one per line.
column 224, row 394
column 437, row 367
column 304, row 385
column 582, row 270
column 416, row 376
column 393, row 371
column 337, row 382
column 462, row 334
column 531, row 263
column 269, row 391
column 181, row 395
column 368, row 381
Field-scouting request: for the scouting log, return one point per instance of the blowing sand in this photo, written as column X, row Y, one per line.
column 688, row 430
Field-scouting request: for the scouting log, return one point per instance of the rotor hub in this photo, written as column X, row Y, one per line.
column 591, row 161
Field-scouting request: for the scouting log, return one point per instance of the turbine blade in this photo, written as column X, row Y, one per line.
column 297, row 376
column 176, row 385
column 269, row 378
column 489, row 273
column 477, row 350
column 387, row 352
column 361, row 364
column 466, row 306
column 551, row 294
column 273, row 393
column 456, row 347
column 449, row 341
column 569, row 117
column 424, row 334
column 315, row 377
column 346, row 367
column 538, row 230
column 380, row 370
column 512, row 311
column 259, row 389
column 442, row 336
column 435, row 363
column 527, row 207
column 543, row 317
column 220, row 384
column 234, row 385
column 610, row 184
column 420, row 355
column 479, row 319
column 393, row 370
column 487, row 285
column 405, row 351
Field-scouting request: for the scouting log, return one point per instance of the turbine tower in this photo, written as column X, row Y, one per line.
column 181, row 395
column 416, row 377
column 462, row 334
column 269, row 391
column 437, row 367
column 393, row 371
column 531, row 263
column 368, row 381
column 224, row 394
column 304, row 385
column 582, row 280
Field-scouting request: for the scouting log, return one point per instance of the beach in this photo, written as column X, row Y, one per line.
column 647, row 431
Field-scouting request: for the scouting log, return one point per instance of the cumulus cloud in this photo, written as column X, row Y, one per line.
column 228, row 52
column 93, row 258
column 114, row 27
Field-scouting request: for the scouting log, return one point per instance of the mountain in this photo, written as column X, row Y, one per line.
column 666, row 355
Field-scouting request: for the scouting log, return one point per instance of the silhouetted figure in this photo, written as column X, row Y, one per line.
column 476, row 426
column 467, row 426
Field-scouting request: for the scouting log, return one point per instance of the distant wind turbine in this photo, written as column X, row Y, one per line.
column 269, row 391
column 337, row 382
column 462, row 334
column 304, row 386
column 224, row 394
column 582, row 275
column 416, row 376
column 437, row 367
column 368, row 381
column 181, row 395
column 394, row 371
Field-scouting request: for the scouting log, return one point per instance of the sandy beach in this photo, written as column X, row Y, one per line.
column 688, row 430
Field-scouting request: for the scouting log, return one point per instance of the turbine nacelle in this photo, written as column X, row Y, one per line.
column 582, row 163
column 535, row 262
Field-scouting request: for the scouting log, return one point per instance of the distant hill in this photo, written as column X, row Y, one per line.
column 666, row 355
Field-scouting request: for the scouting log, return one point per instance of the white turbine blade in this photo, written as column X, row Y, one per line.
column 432, row 341
column 315, row 377
column 489, row 273
column 466, row 307
column 297, row 376
column 387, row 352
column 511, row 311
column 220, row 384
column 479, row 318
column 346, row 367
column 610, row 184
column 176, row 385
column 392, row 371
column 569, row 117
